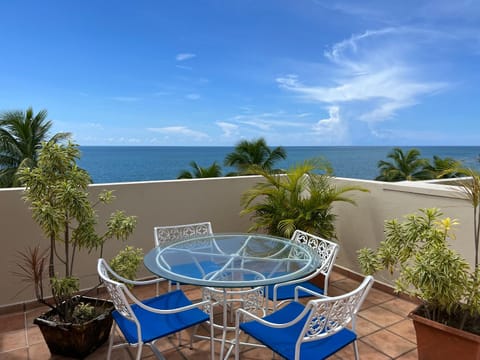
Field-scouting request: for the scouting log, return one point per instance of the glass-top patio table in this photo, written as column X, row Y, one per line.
column 223, row 263
column 232, row 260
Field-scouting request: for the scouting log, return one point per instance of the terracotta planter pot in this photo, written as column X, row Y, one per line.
column 76, row 341
column 436, row 341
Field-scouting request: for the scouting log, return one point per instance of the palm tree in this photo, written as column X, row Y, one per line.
column 249, row 157
column 21, row 137
column 300, row 199
column 213, row 170
column 444, row 168
column 407, row 166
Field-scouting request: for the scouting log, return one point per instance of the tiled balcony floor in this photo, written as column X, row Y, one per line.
column 384, row 331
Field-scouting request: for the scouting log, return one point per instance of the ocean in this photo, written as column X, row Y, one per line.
column 108, row 164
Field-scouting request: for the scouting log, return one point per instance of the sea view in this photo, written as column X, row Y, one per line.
column 109, row 164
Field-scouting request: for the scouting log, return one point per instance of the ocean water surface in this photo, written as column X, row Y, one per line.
column 109, row 164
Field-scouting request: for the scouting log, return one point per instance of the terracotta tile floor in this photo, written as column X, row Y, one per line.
column 384, row 332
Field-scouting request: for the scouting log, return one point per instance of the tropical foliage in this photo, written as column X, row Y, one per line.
column 403, row 166
column 418, row 250
column 21, row 137
column 214, row 170
column 410, row 166
column 443, row 168
column 300, row 199
column 470, row 191
column 250, row 157
column 57, row 192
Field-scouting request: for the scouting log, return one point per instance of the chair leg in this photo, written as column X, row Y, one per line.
column 237, row 343
column 355, row 349
column 194, row 332
column 155, row 351
column 169, row 290
column 139, row 352
column 212, row 334
column 110, row 341
column 179, row 337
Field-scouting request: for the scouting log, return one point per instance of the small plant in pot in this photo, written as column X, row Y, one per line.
column 417, row 251
column 57, row 192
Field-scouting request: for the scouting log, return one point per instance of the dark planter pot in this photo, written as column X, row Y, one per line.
column 76, row 340
column 436, row 341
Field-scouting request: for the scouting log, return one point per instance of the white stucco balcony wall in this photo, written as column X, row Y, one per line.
column 218, row 200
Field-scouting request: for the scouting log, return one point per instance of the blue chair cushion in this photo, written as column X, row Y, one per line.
column 155, row 326
column 288, row 291
column 283, row 340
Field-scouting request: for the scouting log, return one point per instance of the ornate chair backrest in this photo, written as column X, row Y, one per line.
column 167, row 234
column 118, row 291
column 326, row 250
column 329, row 315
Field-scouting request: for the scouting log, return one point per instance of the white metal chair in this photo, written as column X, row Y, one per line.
column 326, row 251
column 145, row 322
column 316, row 330
column 250, row 299
column 166, row 234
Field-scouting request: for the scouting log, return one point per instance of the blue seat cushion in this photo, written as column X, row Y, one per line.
column 155, row 326
column 288, row 291
column 283, row 340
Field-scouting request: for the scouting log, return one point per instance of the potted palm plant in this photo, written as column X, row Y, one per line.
column 57, row 193
column 417, row 250
column 302, row 198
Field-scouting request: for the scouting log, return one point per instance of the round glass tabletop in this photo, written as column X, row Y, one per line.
column 232, row 260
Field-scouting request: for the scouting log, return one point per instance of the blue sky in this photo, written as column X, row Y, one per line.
column 299, row 72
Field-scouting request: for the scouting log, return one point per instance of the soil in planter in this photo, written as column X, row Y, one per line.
column 99, row 307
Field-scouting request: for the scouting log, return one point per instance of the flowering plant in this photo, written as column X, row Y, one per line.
column 417, row 250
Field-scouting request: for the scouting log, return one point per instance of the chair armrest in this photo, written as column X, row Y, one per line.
column 292, row 282
column 239, row 312
column 309, row 291
column 168, row 311
column 138, row 282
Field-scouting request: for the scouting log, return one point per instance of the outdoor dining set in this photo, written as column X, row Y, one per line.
column 257, row 290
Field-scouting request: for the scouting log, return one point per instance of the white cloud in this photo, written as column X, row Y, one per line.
column 184, row 56
column 268, row 121
column 302, row 115
column 180, row 130
column 343, row 53
column 374, row 74
column 228, row 129
column 438, row 11
column 332, row 129
column 257, row 123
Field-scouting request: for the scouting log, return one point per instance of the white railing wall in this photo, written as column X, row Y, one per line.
column 218, row 200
